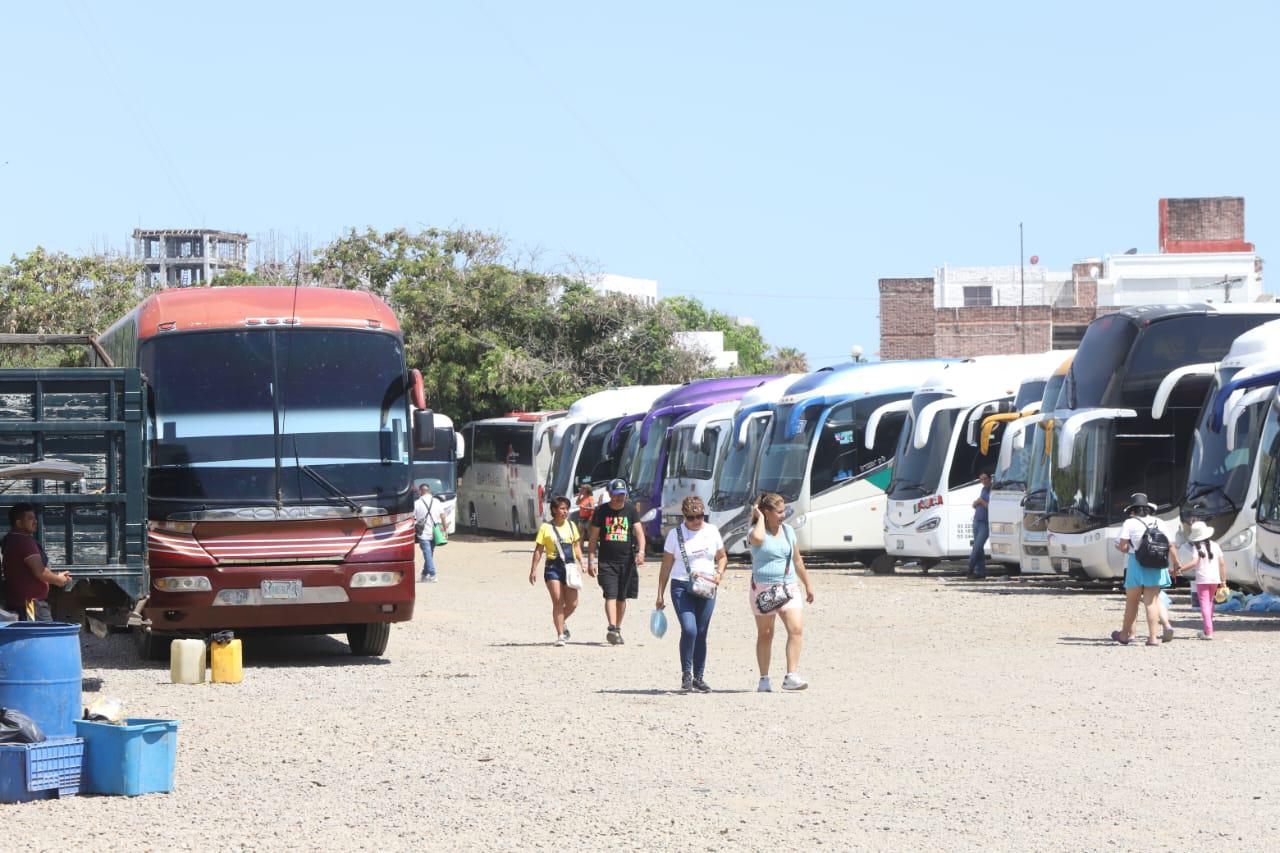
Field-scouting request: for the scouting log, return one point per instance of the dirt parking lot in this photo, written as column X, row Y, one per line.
column 942, row 713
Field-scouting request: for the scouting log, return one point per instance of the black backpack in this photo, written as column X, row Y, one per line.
column 1153, row 550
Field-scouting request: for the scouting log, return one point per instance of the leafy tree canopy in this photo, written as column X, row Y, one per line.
column 489, row 334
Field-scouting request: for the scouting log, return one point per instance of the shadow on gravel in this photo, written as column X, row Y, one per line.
column 543, row 644
column 117, row 652
column 1087, row 641
column 657, row 692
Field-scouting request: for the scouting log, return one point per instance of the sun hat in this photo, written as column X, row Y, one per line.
column 618, row 486
column 1138, row 500
column 1199, row 531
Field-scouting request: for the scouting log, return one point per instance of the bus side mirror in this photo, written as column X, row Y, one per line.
column 424, row 430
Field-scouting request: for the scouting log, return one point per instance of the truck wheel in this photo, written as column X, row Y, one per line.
column 152, row 645
column 369, row 640
column 883, row 565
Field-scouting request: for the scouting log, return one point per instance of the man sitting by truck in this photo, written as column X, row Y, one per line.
column 26, row 568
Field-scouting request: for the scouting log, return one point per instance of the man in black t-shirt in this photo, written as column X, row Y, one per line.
column 617, row 545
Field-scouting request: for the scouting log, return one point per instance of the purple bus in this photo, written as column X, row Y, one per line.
column 644, row 458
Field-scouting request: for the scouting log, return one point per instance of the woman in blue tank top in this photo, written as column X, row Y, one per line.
column 777, row 567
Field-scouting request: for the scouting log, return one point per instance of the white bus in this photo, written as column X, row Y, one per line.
column 1013, row 462
column 504, row 471
column 703, row 442
column 815, row 455
column 1222, row 480
column 438, row 468
column 580, row 441
column 935, row 468
column 1133, row 397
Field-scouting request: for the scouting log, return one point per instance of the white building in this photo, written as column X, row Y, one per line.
column 975, row 287
column 710, row 344
column 643, row 289
column 1141, row 279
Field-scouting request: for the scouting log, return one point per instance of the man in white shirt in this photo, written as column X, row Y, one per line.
column 427, row 512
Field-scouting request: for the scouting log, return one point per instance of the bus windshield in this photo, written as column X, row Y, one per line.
column 1013, row 478
column 1099, row 362
column 645, row 467
column 1218, row 479
column 1269, row 477
column 1038, row 473
column 438, row 467
column 918, row 470
column 1081, row 487
column 736, row 468
column 560, row 473
column 685, row 459
column 237, row 415
column 786, row 460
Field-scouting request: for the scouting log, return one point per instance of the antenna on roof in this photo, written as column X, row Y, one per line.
column 1226, row 283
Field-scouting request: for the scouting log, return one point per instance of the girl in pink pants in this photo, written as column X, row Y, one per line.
column 1203, row 556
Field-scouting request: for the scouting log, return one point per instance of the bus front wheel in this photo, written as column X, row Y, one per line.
column 369, row 640
column 883, row 565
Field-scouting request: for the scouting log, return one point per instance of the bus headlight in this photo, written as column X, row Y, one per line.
column 798, row 521
column 183, row 583
column 1001, row 548
column 365, row 580
column 931, row 524
column 1002, row 528
column 1243, row 539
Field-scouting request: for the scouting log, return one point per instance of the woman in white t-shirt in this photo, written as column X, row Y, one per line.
column 693, row 547
column 1204, row 557
column 1141, row 584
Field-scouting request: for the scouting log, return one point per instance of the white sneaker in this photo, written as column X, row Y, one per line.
column 794, row 682
column 764, row 686
column 560, row 640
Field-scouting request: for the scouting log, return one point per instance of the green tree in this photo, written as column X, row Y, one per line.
column 788, row 360
column 692, row 316
column 56, row 293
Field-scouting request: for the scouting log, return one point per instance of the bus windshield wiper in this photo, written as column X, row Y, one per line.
column 1081, row 511
column 331, row 488
column 1208, row 489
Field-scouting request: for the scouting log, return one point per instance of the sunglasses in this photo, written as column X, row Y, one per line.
column 694, row 517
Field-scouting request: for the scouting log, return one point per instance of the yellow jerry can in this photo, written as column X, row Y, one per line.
column 227, row 662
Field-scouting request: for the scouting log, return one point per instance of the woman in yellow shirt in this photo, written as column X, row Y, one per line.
column 559, row 540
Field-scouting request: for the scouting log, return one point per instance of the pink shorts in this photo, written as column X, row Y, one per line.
column 796, row 602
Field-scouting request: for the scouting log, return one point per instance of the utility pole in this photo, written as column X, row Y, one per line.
column 1022, row 300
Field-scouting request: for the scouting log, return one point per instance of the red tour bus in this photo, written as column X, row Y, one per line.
column 281, row 427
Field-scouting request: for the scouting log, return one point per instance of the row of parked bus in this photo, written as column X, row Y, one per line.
column 879, row 462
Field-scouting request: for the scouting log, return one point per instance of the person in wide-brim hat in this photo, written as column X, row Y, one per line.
column 1138, row 500
column 1142, row 585
column 1204, row 560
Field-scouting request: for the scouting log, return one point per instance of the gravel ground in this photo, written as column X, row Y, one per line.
column 941, row 712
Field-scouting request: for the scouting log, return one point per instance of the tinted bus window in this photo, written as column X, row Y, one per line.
column 503, row 444
column 1098, row 363
column 1170, row 344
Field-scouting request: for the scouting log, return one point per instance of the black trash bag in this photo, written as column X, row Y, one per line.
column 17, row 727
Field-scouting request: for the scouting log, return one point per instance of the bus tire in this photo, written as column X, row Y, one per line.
column 883, row 565
column 151, row 645
column 473, row 518
column 369, row 640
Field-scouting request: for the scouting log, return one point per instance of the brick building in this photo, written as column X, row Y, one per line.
column 967, row 311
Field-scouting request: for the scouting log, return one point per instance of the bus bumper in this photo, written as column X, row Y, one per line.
column 309, row 596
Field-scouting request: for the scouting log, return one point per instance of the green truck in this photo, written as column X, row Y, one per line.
column 93, row 526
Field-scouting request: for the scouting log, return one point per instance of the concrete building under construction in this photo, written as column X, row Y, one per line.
column 187, row 257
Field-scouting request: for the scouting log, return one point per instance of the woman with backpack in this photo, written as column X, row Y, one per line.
column 1204, row 559
column 560, row 541
column 1146, row 572
column 776, row 565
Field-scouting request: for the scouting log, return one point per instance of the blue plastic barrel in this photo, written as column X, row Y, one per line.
column 40, row 674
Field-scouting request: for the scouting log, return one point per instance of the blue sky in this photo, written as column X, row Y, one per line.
column 773, row 159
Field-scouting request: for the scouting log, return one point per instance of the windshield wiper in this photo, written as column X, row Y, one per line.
column 1208, row 489
column 331, row 488
column 1081, row 511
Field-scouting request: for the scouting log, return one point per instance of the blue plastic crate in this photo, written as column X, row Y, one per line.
column 40, row 771
column 135, row 758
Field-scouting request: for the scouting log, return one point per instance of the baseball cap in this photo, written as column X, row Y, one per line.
column 618, row 486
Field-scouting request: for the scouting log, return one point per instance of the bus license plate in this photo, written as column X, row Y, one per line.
column 899, row 545
column 282, row 589
column 1066, row 565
